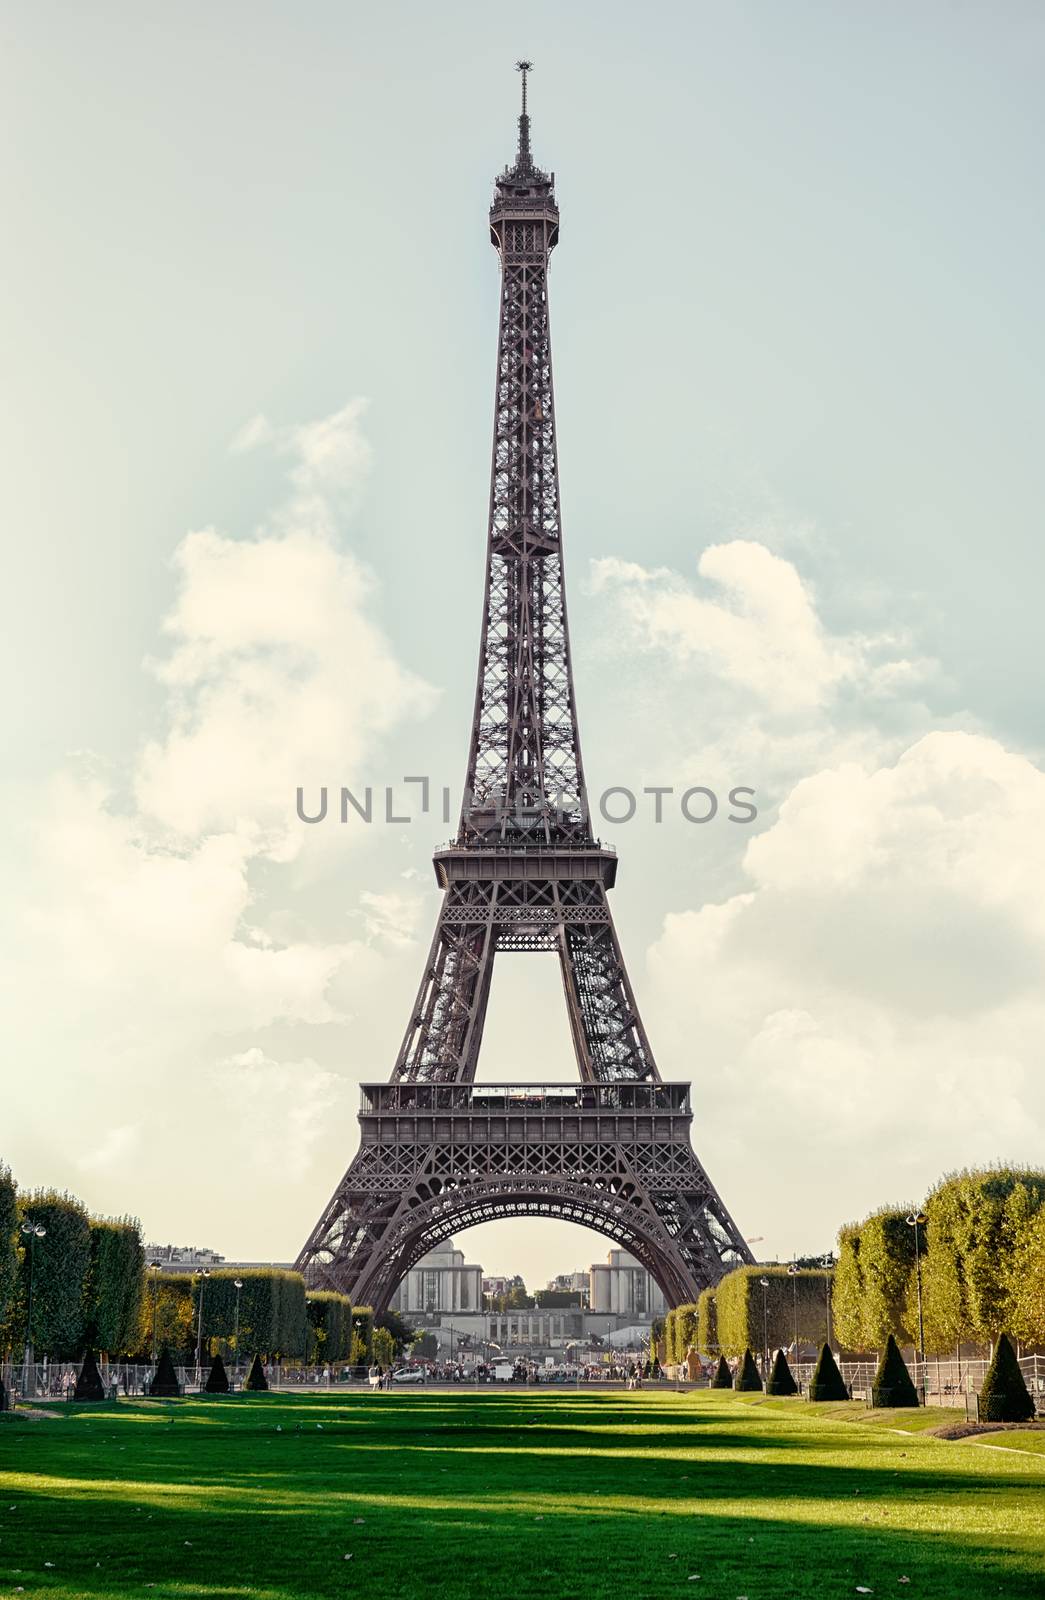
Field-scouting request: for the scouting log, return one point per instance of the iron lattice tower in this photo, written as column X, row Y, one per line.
column 524, row 872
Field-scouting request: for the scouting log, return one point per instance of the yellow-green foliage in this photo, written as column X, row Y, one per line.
column 707, row 1324
column 873, row 1279
column 739, row 1315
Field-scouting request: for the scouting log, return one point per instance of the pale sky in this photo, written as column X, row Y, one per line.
column 248, row 315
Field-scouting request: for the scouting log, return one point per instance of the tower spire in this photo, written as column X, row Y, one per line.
column 524, row 159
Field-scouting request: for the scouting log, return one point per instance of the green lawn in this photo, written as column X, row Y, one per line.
column 559, row 1495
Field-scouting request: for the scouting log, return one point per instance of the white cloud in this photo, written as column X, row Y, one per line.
column 159, row 992
column 868, row 1013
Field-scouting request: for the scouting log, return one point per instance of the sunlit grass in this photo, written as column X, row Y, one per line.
column 451, row 1495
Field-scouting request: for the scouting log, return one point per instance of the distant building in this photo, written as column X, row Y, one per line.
column 196, row 1258
column 573, row 1283
column 623, row 1287
column 497, row 1286
column 442, row 1281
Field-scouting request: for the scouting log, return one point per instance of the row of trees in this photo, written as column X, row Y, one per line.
column 737, row 1314
column 981, row 1243
column 86, row 1274
column 92, row 1290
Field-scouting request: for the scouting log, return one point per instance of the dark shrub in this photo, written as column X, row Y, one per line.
column 256, row 1382
column 217, row 1378
column 827, row 1382
column 1004, row 1396
column 164, row 1383
column 748, row 1377
column 893, row 1384
column 723, row 1378
column 4, row 1402
column 89, row 1384
column 781, row 1379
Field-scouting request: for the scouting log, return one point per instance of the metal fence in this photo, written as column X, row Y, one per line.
column 941, row 1382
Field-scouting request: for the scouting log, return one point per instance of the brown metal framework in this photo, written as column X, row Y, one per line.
column 524, row 872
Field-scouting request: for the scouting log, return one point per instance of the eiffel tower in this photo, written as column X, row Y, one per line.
column 438, row 1151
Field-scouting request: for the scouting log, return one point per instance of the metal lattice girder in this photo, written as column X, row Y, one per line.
column 437, row 1158
column 523, row 874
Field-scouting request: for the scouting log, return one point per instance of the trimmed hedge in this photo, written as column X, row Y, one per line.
column 61, row 1264
column 89, row 1384
column 723, row 1378
column 827, row 1382
column 115, row 1285
column 707, row 1323
column 893, row 1384
column 164, row 1381
column 329, row 1325
column 978, row 1270
column 256, row 1381
column 1004, row 1396
column 738, row 1307
column 781, row 1379
column 872, row 1289
column 748, row 1377
column 217, row 1378
column 8, row 1244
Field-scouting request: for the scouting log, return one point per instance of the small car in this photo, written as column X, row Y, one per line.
column 409, row 1375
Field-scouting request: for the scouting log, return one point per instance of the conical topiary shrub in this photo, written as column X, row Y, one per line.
column 827, row 1382
column 164, row 1382
column 89, row 1384
column 4, row 1404
column 256, row 1379
column 1004, row 1396
column 723, row 1378
column 217, row 1378
column 748, row 1377
column 893, row 1384
column 781, row 1379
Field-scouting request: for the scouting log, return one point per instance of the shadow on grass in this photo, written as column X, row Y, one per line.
column 232, row 1507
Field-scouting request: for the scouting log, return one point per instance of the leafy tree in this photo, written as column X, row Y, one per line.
column 847, row 1291
column 383, row 1346
column 1028, row 1283
column 781, row 1379
column 707, row 1324
column 330, row 1325
column 89, row 1384
column 683, row 1332
column 827, row 1382
column 977, row 1224
column 217, row 1377
column 60, row 1264
column 739, row 1314
column 272, row 1309
column 1004, row 1396
column 164, row 1381
column 256, row 1381
column 168, row 1298
column 723, row 1378
column 115, row 1285
column 748, row 1378
column 8, row 1247
column 362, row 1335
column 401, row 1331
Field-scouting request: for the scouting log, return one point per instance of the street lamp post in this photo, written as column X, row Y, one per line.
column 237, row 1285
column 828, row 1262
column 765, row 1332
column 204, row 1275
column 32, row 1231
column 792, row 1273
column 917, row 1220
column 154, row 1273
